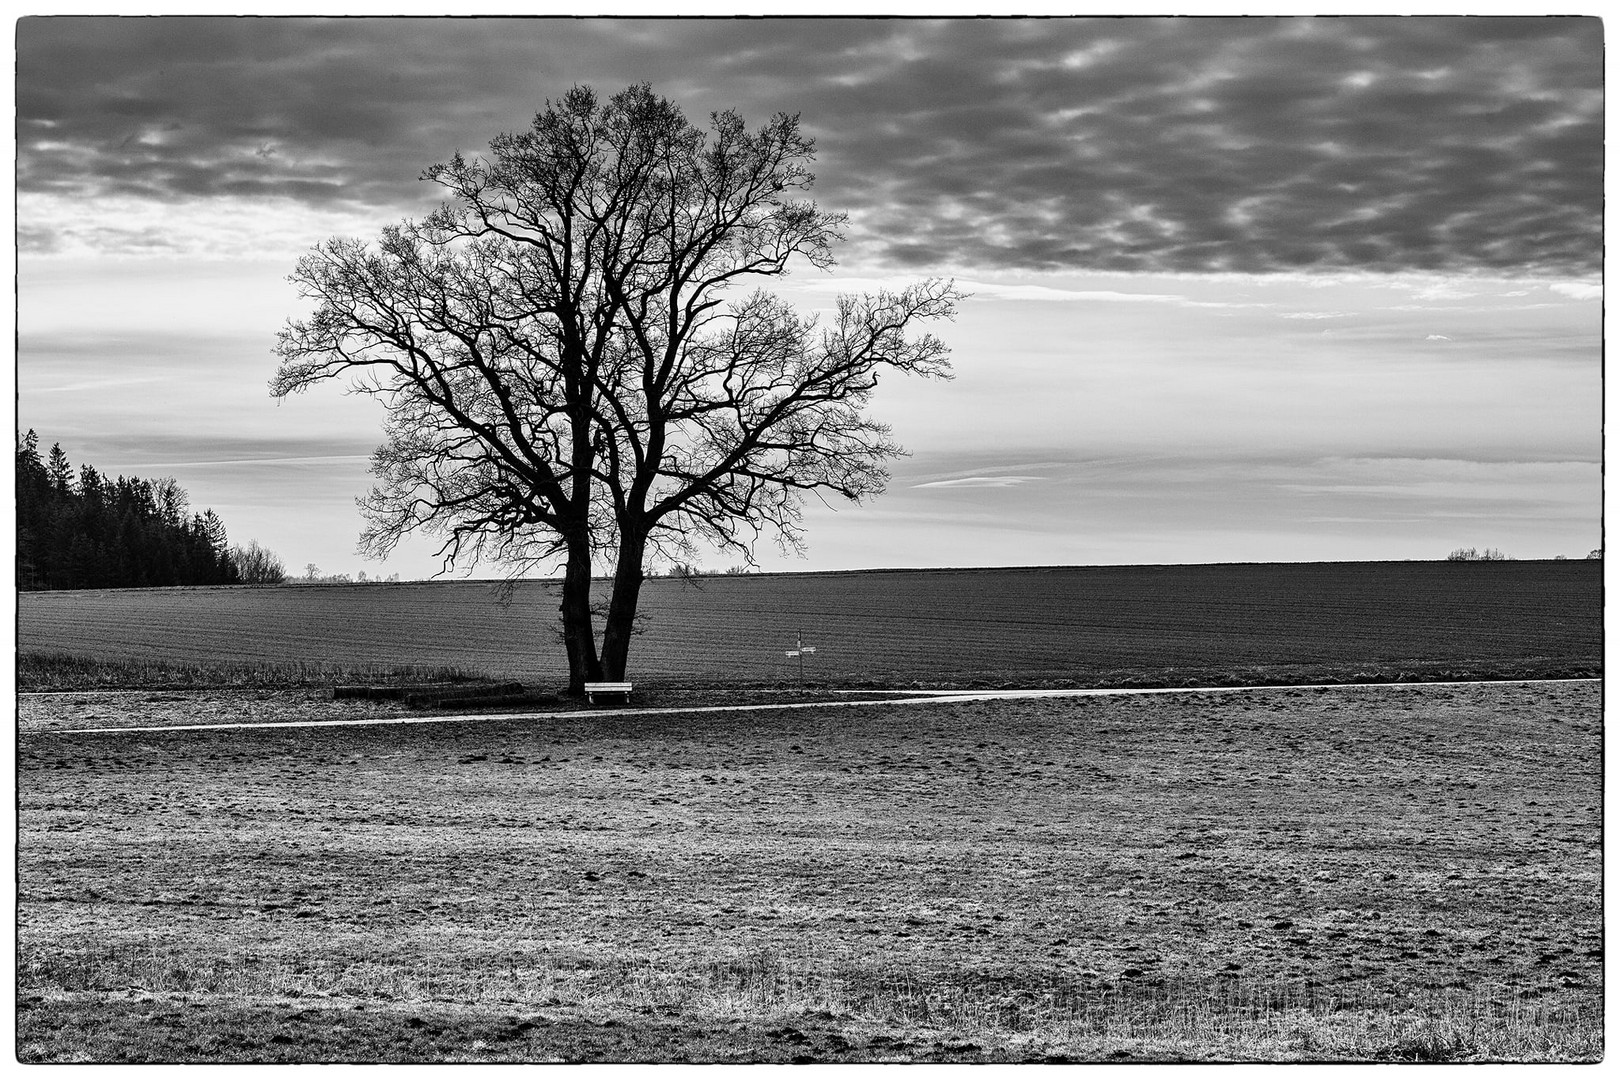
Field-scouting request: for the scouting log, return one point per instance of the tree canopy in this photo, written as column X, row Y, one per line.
column 571, row 369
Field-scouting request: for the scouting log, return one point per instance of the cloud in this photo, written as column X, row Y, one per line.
column 1209, row 507
column 1047, row 294
column 999, row 290
column 1437, row 337
column 1194, row 145
column 1019, row 291
column 304, row 459
column 1210, row 145
column 97, row 384
column 980, row 482
column 1577, row 290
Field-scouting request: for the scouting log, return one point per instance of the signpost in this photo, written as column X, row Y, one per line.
column 800, row 653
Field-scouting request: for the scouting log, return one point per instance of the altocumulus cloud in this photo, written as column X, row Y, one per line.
column 1135, row 145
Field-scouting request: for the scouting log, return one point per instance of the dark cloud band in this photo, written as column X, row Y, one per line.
column 1254, row 145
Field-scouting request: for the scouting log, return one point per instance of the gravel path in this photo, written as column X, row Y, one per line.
column 128, row 712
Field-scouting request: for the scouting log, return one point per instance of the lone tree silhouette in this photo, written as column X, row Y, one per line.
column 563, row 376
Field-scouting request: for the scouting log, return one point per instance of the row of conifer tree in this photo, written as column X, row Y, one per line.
column 93, row 532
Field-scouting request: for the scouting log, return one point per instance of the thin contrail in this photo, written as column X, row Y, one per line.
column 929, row 697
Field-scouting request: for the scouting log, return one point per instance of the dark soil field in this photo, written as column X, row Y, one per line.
column 1358, row 873
column 1099, row 626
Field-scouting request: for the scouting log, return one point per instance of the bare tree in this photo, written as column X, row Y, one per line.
column 563, row 375
column 256, row 565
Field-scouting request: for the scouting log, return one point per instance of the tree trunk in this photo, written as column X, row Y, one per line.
column 578, row 634
column 621, row 618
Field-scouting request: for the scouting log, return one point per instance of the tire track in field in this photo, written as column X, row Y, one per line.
column 918, row 697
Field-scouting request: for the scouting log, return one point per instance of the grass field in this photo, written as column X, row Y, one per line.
column 1154, row 625
column 1361, row 873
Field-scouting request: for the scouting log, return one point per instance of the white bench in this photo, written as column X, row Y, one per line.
column 619, row 689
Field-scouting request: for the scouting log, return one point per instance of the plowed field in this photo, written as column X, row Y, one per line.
column 1281, row 874
column 1174, row 624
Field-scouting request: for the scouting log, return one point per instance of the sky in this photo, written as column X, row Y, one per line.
column 1242, row 289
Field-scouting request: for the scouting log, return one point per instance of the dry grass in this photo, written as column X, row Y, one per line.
column 1231, row 1019
column 55, row 671
column 895, row 1012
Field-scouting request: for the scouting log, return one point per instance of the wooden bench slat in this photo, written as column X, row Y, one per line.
column 594, row 688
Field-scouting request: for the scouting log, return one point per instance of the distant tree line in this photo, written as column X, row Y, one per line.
column 313, row 575
column 1475, row 555
column 1493, row 555
column 692, row 570
column 94, row 532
